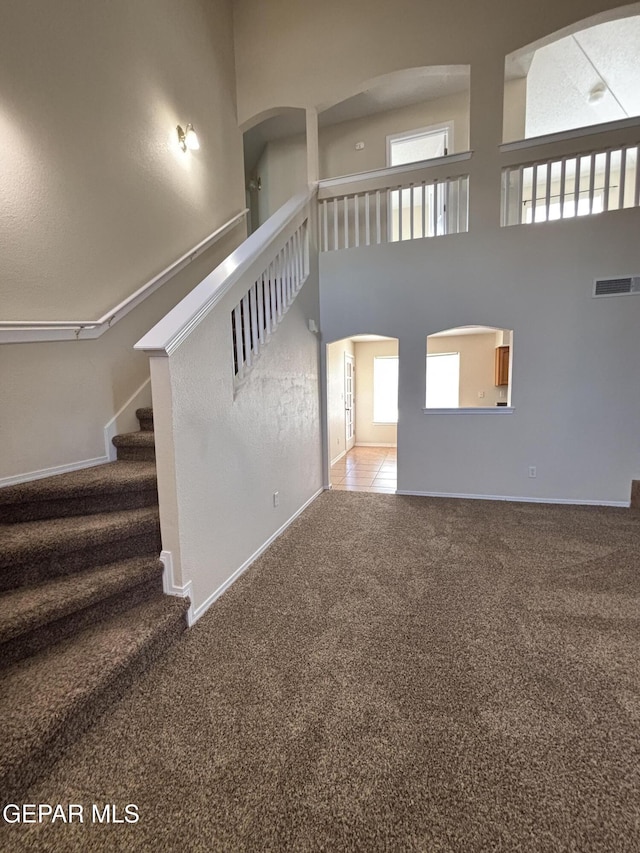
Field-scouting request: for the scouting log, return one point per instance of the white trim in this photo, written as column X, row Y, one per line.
column 338, row 457
column 168, row 334
column 575, row 133
column 169, row 586
column 393, row 171
column 51, row 472
column 124, row 419
column 31, row 331
column 514, row 498
column 472, row 410
column 201, row 609
column 430, row 130
column 376, row 443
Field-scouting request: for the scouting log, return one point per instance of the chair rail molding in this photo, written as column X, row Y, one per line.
column 32, row 331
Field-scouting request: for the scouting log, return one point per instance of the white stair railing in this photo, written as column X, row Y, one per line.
column 265, row 303
column 573, row 185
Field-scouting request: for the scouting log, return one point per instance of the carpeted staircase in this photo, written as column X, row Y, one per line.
column 82, row 610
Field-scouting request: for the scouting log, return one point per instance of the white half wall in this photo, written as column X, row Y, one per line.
column 221, row 455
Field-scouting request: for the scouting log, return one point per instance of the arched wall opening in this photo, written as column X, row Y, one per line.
column 275, row 161
column 362, row 413
column 411, row 106
column 587, row 74
column 469, row 367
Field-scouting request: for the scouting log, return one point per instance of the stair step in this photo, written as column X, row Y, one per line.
column 103, row 488
column 47, row 700
column 136, row 446
column 34, row 617
column 35, row 551
column 145, row 418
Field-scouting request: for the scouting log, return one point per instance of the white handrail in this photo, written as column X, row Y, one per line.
column 29, row 331
column 574, row 133
column 392, row 171
column 167, row 335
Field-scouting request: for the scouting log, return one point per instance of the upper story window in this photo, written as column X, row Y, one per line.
column 422, row 144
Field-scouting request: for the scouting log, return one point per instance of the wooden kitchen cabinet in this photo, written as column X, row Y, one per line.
column 502, row 365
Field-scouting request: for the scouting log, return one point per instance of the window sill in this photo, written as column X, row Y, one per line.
column 479, row 410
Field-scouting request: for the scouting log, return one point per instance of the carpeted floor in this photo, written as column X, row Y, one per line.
column 394, row 674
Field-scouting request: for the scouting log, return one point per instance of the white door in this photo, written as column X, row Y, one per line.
column 349, row 402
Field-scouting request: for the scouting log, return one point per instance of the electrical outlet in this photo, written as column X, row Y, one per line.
column 532, row 471
column 276, row 498
column 481, row 394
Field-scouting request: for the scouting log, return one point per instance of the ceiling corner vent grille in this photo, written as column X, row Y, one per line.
column 623, row 286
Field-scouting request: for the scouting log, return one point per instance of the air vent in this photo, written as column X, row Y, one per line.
column 617, row 286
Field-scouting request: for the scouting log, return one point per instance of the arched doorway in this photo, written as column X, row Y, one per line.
column 362, row 409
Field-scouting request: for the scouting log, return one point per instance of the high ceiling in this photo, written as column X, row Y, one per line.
column 586, row 78
column 400, row 89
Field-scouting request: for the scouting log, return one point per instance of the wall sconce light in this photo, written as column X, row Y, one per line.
column 188, row 138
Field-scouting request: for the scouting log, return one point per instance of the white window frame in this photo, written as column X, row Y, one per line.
column 430, row 130
column 418, row 132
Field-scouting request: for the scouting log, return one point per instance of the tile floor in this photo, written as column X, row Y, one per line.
column 366, row 469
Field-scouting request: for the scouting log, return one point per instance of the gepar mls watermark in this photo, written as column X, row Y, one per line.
column 59, row 813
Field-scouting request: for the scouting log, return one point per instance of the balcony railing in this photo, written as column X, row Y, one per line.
column 569, row 186
column 410, row 202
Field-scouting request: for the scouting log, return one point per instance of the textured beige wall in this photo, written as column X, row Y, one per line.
column 232, row 450
column 368, row 432
column 335, row 395
column 283, row 171
column 95, row 194
column 58, row 397
column 338, row 155
column 477, row 367
column 316, row 54
column 96, row 197
column 515, row 109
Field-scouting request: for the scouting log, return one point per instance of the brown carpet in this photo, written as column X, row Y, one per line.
column 394, row 674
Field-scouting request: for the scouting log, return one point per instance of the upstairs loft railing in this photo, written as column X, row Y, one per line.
column 564, row 187
column 411, row 202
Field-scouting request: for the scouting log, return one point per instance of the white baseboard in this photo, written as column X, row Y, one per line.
column 202, row 608
column 375, row 444
column 514, row 498
column 169, row 586
column 338, row 457
column 125, row 419
column 51, row 472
